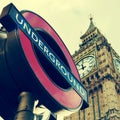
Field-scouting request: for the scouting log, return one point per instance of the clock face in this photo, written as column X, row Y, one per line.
column 85, row 65
column 117, row 64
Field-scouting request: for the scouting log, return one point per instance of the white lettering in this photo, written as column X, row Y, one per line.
column 46, row 50
column 82, row 91
column 57, row 64
column 52, row 57
column 19, row 21
column 78, row 86
column 40, row 44
column 34, row 37
column 70, row 78
column 27, row 28
column 63, row 70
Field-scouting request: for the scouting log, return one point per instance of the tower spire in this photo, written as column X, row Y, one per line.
column 90, row 29
column 91, row 26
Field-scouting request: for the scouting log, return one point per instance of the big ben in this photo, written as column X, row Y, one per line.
column 99, row 67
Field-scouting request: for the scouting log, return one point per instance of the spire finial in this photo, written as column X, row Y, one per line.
column 91, row 17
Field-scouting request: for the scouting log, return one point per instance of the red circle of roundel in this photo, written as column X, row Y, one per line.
column 68, row 99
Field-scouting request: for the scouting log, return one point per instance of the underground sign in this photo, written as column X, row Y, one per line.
column 39, row 61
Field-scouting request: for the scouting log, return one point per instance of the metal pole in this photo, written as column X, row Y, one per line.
column 25, row 107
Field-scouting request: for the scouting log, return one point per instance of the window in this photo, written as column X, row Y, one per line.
column 104, row 60
column 88, row 80
column 97, row 75
column 103, row 53
column 90, row 92
column 99, row 55
column 83, row 82
column 92, row 77
column 102, row 72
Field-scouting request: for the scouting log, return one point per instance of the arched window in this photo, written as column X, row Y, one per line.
column 95, row 89
column 97, row 75
column 90, row 92
column 100, row 87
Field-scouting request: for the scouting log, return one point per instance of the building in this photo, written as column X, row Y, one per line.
column 99, row 68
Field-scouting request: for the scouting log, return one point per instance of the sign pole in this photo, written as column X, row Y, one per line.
column 25, row 107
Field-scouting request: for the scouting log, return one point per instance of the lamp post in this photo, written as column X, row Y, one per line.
column 25, row 107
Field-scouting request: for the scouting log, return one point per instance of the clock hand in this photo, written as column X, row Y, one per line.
column 82, row 67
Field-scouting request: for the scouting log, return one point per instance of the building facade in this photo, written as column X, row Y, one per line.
column 99, row 68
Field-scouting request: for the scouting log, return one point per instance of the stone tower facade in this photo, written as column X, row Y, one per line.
column 99, row 68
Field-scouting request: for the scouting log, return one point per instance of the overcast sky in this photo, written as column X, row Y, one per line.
column 70, row 18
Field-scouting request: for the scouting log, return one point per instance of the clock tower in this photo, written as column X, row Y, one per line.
column 99, row 67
